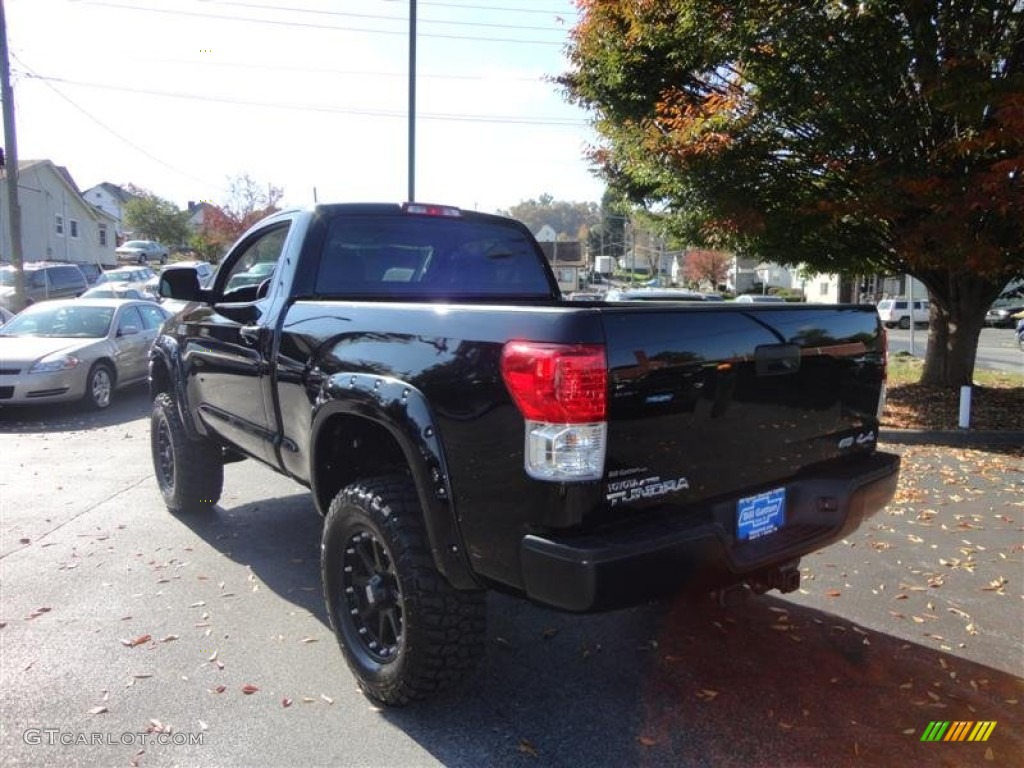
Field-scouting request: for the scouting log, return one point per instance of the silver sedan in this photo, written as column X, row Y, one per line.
column 81, row 349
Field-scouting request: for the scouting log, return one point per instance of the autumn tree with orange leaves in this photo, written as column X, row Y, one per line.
column 702, row 266
column 874, row 136
column 246, row 203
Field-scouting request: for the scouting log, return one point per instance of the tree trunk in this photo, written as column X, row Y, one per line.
column 958, row 306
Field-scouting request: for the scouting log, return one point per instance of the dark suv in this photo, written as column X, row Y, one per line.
column 42, row 281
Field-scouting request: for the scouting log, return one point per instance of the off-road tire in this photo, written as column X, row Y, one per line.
column 99, row 387
column 189, row 472
column 405, row 631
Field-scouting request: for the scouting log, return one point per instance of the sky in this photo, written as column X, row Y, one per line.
column 179, row 96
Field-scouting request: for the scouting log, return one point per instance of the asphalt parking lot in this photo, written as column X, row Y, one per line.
column 133, row 637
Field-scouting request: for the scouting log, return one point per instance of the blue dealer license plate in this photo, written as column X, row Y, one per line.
column 757, row 516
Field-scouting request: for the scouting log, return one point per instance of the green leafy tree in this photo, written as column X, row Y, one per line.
column 871, row 136
column 150, row 217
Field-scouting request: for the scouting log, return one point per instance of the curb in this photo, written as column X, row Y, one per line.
column 956, row 438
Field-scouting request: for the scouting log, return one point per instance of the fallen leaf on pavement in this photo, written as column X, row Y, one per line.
column 526, row 748
column 249, row 689
column 137, row 641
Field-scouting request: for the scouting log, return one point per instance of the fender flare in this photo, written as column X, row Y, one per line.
column 404, row 412
column 167, row 352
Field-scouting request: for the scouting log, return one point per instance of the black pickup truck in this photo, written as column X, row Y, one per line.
column 462, row 427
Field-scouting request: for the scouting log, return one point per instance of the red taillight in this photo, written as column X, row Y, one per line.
column 557, row 383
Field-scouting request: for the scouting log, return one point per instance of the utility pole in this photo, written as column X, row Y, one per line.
column 11, row 162
column 412, row 100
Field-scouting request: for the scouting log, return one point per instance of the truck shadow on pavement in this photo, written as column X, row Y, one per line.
column 693, row 684
column 128, row 404
column 687, row 683
column 279, row 539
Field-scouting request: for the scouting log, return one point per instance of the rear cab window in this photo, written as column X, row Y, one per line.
column 431, row 257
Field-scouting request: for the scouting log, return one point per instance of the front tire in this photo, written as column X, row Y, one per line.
column 905, row 323
column 404, row 630
column 189, row 472
column 99, row 387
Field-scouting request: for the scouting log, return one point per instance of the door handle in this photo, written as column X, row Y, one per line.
column 250, row 334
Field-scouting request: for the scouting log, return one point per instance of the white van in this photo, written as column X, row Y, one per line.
column 895, row 312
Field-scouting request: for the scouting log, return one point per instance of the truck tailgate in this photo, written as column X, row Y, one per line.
column 712, row 400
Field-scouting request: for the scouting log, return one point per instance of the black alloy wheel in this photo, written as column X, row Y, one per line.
column 404, row 631
column 373, row 596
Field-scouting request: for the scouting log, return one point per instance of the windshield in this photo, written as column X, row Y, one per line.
column 71, row 322
column 135, row 244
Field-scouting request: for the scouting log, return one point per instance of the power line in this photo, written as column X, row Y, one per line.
column 349, row 14
column 510, row 119
column 318, row 70
column 568, row 12
column 47, row 82
column 309, row 25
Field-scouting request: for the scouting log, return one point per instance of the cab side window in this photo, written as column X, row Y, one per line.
column 250, row 275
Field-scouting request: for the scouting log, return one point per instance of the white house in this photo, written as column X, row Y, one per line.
column 818, row 288
column 110, row 198
column 57, row 223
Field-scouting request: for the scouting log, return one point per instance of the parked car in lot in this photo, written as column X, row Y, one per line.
column 1001, row 314
column 118, row 291
column 896, row 312
column 254, row 275
column 142, row 252
column 137, row 277
column 80, row 349
column 43, row 281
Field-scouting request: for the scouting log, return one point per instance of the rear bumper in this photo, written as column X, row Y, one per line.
column 659, row 556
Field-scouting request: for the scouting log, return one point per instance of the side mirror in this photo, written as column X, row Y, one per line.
column 181, row 283
column 128, row 330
